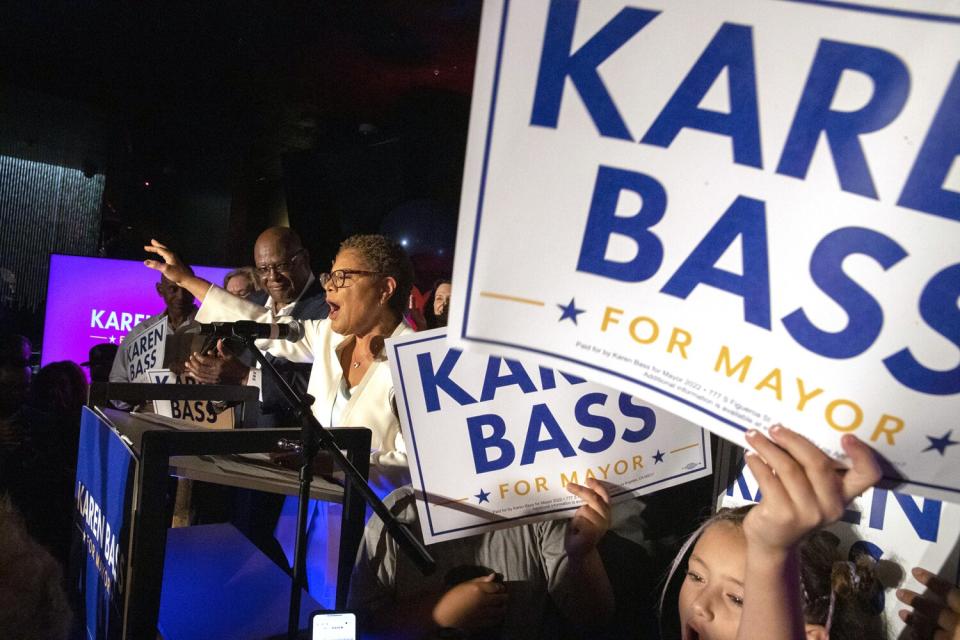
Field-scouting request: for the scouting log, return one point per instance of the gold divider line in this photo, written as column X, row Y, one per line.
column 689, row 446
column 503, row 296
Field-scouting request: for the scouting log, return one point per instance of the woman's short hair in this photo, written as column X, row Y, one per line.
column 388, row 258
column 247, row 272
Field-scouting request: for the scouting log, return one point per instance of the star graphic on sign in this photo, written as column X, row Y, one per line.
column 658, row 457
column 483, row 496
column 941, row 443
column 113, row 339
column 570, row 311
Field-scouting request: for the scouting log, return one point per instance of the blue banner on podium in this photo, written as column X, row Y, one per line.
column 103, row 501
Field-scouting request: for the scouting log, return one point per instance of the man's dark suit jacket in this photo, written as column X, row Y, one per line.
column 274, row 410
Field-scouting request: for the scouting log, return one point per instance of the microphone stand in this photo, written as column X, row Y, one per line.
column 313, row 438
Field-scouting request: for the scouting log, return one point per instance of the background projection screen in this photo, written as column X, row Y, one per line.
column 98, row 300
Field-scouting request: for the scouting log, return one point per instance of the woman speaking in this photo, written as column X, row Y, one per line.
column 366, row 289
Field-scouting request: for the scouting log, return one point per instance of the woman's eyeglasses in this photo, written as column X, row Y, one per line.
column 341, row 277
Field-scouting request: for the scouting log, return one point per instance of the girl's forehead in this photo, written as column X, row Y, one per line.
column 722, row 543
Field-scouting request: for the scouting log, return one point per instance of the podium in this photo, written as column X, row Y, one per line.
column 161, row 446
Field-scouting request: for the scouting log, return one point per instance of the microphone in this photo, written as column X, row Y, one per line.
column 290, row 331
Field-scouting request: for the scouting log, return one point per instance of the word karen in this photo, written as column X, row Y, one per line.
column 123, row 322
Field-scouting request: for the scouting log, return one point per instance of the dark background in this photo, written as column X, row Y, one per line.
column 207, row 122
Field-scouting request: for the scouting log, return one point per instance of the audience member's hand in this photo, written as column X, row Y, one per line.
column 591, row 520
column 216, row 367
column 170, row 265
column 932, row 618
column 472, row 605
column 801, row 487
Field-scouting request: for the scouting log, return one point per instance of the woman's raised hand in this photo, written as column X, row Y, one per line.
column 169, row 265
column 802, row 489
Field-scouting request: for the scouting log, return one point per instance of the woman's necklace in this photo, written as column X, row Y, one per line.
column 356, row 359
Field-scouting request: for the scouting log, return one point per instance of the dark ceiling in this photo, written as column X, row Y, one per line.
column 191, row 110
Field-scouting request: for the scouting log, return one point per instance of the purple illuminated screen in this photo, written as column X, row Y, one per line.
column 96, row 300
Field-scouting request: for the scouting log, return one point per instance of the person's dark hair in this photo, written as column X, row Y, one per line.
column 15, row 373
column 428, row 314
column 60, row 388
column 14, row 350
column 32, row 601
column 837, row 594
column 388, row 258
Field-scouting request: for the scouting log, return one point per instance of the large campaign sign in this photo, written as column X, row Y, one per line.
column 744, row 212
column 105, row 469
column 94, row 301
column 493, row 442
column 899, row 530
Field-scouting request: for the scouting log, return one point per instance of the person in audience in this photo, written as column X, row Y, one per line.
column 935, row 614
column 438, row 305
column 35, row 451
column 493, row 585
column 60, row 390
column 15, row 375
column 100, row 361
column 765, row 567
column 367, row 291
column 17, row 421
column 242, row 282
column 179, row 313
column 32, row 600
